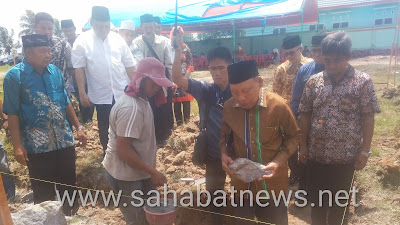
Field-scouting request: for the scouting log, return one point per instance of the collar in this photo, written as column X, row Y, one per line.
column 261, row 99
column 157, row 39
column 303, row 60
column 28, row 68
column 350, row 72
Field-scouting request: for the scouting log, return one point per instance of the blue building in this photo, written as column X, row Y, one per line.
column 370, row 23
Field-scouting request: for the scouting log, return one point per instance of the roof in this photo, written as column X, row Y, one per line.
column 330, row 4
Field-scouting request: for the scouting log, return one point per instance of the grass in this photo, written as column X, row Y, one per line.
column 200, row 74
column 376, row 205
column 5, row 68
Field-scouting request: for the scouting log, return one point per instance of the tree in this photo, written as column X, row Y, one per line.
column 220, row 34
column 57, row 29
column 26, row 23
column 7, row 42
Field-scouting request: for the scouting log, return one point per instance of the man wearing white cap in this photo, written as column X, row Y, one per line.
column 127, row 31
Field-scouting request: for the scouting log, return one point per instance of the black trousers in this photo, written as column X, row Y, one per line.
column 103, row 119
column 215, row 180
column 178, row 112
column 55, row 166
column 333, row 178
column 163, row 118
column 270, row 214
column 86, row 112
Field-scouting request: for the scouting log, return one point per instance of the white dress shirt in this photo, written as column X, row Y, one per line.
column 104, row 63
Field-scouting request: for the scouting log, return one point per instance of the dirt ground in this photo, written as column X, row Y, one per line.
column 174, row 160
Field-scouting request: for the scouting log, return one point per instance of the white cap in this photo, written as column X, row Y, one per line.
column 127, row 25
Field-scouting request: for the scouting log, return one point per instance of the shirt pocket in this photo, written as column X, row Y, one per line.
column 56, row 93
column 269, row 137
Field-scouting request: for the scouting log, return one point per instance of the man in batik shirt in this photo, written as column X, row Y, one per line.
column 60, row 48
column 337, row 124
column 285, row 74
column 284, row 78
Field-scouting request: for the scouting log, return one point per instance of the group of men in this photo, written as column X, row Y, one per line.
column 130, row 82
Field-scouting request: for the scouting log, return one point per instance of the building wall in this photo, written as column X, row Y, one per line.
column 360, row 21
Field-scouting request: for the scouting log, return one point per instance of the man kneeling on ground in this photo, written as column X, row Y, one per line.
column 130, row 159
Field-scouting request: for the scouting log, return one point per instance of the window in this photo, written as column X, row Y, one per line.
column 345, row 24
column 321, row 27
column 313, row 27
column 283, row 31
column 336, row 25
column 276, row 31
column 378, row 22
column 388, row 21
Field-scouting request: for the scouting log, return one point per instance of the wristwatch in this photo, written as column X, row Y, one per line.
column 366, row 154
column 81, row 127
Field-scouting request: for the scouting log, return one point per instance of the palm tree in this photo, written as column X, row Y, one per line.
column 57, row 29
column 26, row 22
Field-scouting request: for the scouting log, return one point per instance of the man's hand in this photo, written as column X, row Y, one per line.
column 158, row 179
column 361, row 161
column 5, row 125
column 226, row 160
column 178, row 38
column 84, row 100
column 20, row 155
column 272, row 167
column 174, row 88
column 303, row 155
column 82, row 138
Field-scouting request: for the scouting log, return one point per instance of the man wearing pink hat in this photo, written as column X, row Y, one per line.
column 130, row 159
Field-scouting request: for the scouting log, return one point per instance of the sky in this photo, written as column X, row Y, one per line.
column 77, row 10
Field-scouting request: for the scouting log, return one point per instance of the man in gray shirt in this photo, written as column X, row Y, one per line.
column 130, row 159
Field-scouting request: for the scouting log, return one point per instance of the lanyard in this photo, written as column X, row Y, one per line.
column 247, row 140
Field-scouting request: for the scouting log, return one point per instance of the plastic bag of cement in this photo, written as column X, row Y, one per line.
column 247, row 170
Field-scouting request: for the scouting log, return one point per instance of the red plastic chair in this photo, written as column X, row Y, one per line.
column 196, row 63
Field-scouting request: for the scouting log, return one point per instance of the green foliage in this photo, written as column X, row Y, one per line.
column 57, row 29
column 26, row 23
column 7, row 42
column 220, row 34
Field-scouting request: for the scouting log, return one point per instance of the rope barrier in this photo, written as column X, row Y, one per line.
column 91, row 189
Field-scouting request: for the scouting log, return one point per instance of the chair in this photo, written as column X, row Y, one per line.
column 196, row 63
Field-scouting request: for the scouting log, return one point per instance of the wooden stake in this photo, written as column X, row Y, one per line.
column 5, row 215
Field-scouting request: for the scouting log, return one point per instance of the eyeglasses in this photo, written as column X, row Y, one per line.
column 291, row 53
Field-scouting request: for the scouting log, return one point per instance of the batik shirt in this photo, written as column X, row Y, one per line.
column 337, row 109
column 284, row 78
column 39, row 101
column 61, row 57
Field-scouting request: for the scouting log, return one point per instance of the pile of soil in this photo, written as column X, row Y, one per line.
column 390, row 171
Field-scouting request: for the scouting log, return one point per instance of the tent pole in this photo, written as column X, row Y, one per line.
column 234, row 40
column 302, row 20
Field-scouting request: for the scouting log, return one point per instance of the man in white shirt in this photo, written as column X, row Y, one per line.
column 157, row 31
column 108, row 63
column 127, row 31
column 157, row 47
